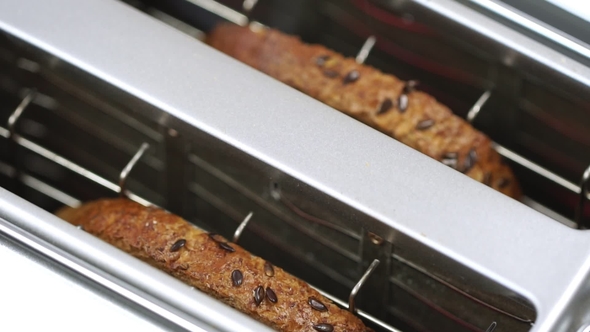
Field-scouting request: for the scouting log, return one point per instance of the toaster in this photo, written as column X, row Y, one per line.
column 122, row 98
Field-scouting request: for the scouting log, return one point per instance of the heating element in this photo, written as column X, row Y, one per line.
column 158, row 116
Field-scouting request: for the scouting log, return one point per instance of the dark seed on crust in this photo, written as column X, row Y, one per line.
column 402, row 103
column 330, row 73
column 221, row 245
column 237, row 278
column 316, row 304
column 270, row 295
column 177, row 245
column 258, row 295
column 425, row 124
column 321, row 60
column 213, row 236
column 410, row 86
column 351, row 77
column 268, row 269
column 386, row 105
column 324, row 327
column 226, row 246
column 503, row 183
column 470, row 161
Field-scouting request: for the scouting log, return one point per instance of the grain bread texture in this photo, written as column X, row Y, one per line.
column 213, row 265
column 380, row 100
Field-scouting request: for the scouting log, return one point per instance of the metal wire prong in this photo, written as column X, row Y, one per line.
column 125, row 172
column 365, row 50
column 242, row 226
column 474, row 111
column 584, row 183
column 360, row 284
column 247, row 7
column 13, row 119
column 492, row 327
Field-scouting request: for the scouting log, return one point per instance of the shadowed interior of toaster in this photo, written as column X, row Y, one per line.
column 538, row 116
column 72, row 140
column 323, row 241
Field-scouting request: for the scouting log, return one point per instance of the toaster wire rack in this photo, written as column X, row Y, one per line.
column 10, row 134
column 276, row 192
column 12, row 171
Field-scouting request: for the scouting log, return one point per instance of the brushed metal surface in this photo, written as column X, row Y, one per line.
column 35, row 285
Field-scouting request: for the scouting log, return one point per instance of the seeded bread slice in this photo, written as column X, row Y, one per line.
column 211, row 264
column 380, row 100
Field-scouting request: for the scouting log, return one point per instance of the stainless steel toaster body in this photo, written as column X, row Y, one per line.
column 87, row 85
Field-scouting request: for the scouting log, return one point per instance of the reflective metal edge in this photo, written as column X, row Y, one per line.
column 536, row 26
column 61, row 302
column 484, row 230
column 102, row 263
column 510, row 38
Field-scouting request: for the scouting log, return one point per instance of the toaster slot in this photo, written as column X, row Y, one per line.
column 489, row 84
column 87, row 117
column 76, row 133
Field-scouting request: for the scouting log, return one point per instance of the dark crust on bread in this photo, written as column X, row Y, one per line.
column 323, row 74
column 150, row 233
